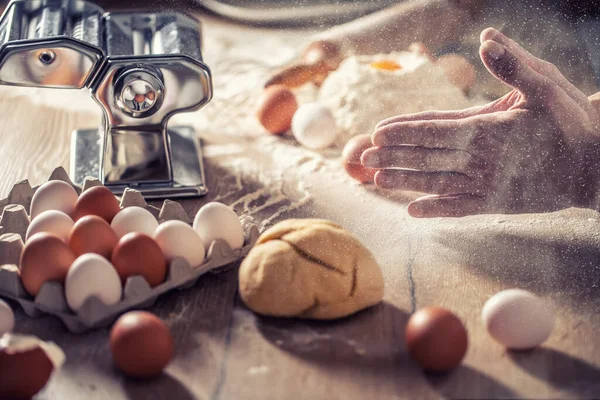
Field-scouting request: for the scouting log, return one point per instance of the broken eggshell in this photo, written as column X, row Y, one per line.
column 26, row 365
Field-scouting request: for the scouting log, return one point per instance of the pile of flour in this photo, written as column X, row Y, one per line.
column 360, row 95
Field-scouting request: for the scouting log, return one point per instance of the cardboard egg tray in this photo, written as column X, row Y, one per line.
column 137, row 293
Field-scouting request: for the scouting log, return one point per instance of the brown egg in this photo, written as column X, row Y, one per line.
column 141, row 344
column 351, row 159
column 276, row 109
column 92, row 234
column 436, row 339
column 459, row 70
column 23, row 373
column 98, row 201
column 139, row 254
column 45, row 258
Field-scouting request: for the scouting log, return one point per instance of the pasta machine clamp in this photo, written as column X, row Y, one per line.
column 141, row 68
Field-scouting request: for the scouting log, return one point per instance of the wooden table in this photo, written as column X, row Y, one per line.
column 224, row 351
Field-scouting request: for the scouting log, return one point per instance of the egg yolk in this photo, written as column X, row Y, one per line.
column 386, row 65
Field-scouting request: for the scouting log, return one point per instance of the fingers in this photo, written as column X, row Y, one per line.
column 480, row 134
column 513, row 71
column 423, row 159
column 424, row 182
column 541, row 66
column 459, row 205
column 501, row 104
column 432, row 134
column 432, row 115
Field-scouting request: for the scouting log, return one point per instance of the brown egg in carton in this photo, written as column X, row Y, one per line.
column 137, row 293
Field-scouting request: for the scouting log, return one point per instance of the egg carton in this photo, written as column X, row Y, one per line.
column 137, row 293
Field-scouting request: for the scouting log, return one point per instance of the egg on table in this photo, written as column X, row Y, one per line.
column 459, row 70
column 54, row 195
column 276, row 108
column 141, row 344
column 44, row 258
column 134, row 219
column 518, row 319
column 178, row 239
column 217, row 221
column 92, row 275
column 351, row 159
column 51, row 221
column 139, row 254
column 436, row 339
column 314, row 126
column 99, row 201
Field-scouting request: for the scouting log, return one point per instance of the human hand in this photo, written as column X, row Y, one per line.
column 535, row 149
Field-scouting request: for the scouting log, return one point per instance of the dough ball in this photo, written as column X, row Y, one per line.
column 309, row 268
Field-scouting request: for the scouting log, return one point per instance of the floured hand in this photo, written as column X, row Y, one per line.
column 535, row 149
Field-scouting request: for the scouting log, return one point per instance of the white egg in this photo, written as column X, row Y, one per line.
column 314, row 126
column 518, row 319
column 92, row 275
column 178, row 239
column 51, row 221
column 134, row 219
column 7, row 318
column 53, row 195
column 217, row 221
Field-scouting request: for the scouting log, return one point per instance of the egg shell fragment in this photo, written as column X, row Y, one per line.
column 51, row 221
column 26, row 365
column 518, row 319
column 54, row 195
column 178, row 239
column 134, row 219
column 92, row 275
column 217, row 221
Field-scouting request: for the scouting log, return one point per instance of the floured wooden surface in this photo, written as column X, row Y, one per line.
column 226, row 352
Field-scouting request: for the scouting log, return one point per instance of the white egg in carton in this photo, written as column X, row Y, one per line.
column 137, row 293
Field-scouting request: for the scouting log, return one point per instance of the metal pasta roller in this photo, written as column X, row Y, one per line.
column 141, row 68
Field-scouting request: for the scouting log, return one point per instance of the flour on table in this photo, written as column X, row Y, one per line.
column 360, row 95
